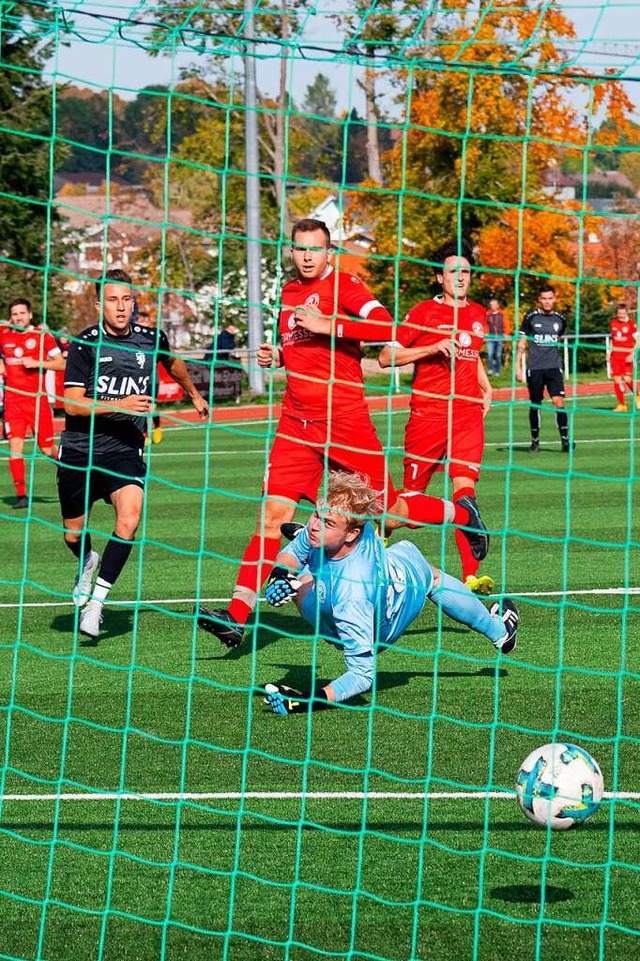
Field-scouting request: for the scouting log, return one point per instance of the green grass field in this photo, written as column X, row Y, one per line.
column 156, row 707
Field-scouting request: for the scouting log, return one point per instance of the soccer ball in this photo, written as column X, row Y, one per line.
column 559, row 785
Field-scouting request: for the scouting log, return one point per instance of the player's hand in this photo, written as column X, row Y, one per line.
column 315, row 323
column 268, row 356
column 443, row 347
column 486, row 401
column 282, row 586
column 30, row 363
column 201, row 406
column 283, row 700
column 135, row 404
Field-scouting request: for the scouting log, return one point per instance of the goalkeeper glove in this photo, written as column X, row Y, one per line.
column 281, row 586
column 285, row 700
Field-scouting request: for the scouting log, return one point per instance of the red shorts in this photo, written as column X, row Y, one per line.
column 431, row 442
column 620, row 366
column 304, row 450
column 22, row 416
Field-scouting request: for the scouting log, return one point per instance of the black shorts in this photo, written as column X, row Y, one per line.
column 108, row 473
column 551, row 378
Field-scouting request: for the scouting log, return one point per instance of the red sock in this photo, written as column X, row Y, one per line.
column 469, row 564
column 257, row 563
column 16, row 466
column 619, row 389
column 423, row 509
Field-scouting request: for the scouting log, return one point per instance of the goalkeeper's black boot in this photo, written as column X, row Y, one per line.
column 291, row 530
column 220, row 624
column 510, row 615
column 476, row 531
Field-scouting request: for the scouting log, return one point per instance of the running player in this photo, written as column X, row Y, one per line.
column 325, row 421
column 361, row 597
column 27, row 352
column 107, row 401
column 451, row 392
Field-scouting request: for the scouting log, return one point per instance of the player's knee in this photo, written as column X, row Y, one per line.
column 72, row 537
column 127, row 525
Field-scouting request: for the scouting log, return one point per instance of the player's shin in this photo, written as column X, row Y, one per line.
column 458, row 603
column 115, row 556
column 16, row 466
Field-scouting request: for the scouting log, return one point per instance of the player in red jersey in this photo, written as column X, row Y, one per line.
column 27, row 352
column 624, row 341
column 451, row 392
column 325, row 421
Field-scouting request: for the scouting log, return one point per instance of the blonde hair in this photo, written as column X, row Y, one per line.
column 351, row 495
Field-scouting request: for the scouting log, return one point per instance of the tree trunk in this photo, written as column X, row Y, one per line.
column 374, row 168
column 279, row 165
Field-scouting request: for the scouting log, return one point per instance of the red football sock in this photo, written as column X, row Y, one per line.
column 423, row 509
column 619, row 389
column 257, row 563
column 16, row 466
column 469, row 564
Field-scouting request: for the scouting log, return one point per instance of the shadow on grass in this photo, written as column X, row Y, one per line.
column 531, row 894
column 116, row 623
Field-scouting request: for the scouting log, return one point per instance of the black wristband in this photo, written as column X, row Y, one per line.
column 315, row 700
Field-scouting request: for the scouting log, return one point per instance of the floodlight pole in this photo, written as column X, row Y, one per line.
column 252, row 195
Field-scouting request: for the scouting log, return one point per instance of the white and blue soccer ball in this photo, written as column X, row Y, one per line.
column 559, row 785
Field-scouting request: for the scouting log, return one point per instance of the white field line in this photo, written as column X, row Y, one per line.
column 291, row 796
column 150, row 602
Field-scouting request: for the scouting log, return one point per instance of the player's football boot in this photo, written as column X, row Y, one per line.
column 476, row 531
column 156, row 435
column 291, row 530
column 567, row 445
column 281, row 699
column 620, row 409
column 220, row 624
column 480, row 585
column 535, row 446
column 510, row 616
column 84, row 580
column 91, row 619
column 21, row 503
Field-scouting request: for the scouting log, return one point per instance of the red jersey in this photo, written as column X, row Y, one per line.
column 324, row 374
column 15, row 345
column 623, row 335
column 437, row 379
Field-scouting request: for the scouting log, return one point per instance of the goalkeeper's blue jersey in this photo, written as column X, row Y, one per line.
column 369, row 596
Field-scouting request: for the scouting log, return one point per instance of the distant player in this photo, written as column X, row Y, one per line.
column 27, row 353
column 451, row 393
column 541, row 332
column 145, row 319
column 107, row 401
column 325, row 422
column 624, row 343
column 361, row 597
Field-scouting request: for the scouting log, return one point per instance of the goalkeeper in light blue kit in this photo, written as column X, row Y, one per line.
column 361, row 596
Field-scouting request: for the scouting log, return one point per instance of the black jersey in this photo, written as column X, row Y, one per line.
column 543, row 332
column 109, row 367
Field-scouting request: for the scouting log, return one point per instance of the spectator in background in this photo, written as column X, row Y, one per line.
column 220, row 352
column 495, row 337
column 225, row 343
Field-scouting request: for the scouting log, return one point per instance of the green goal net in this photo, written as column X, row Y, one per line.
column 151, row 805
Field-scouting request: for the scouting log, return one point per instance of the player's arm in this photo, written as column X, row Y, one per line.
column 176, row 368
column 77, row 404
column 521, row 348
column 53, row 361
column 395, row 355
column 485, row 387
column 358, row 315
column 3, row 369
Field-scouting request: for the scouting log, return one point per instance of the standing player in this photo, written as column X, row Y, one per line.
column 542, row 329
column 107, row 400
column 325, row 420
column 624, row 342
column 451, row 392
column 27, row 352
column 361, row 597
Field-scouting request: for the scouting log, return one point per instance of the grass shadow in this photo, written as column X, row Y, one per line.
column 117, row 622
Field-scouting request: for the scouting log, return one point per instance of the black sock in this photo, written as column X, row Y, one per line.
column 563, row 423
column 534, row 422
column 81, row 548
column 156, row 420
column 115, row 556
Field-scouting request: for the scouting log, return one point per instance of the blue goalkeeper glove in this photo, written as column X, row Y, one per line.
column 281, row 586
column 285, row 700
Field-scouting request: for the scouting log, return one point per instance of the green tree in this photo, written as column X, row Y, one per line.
column 28, row 228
